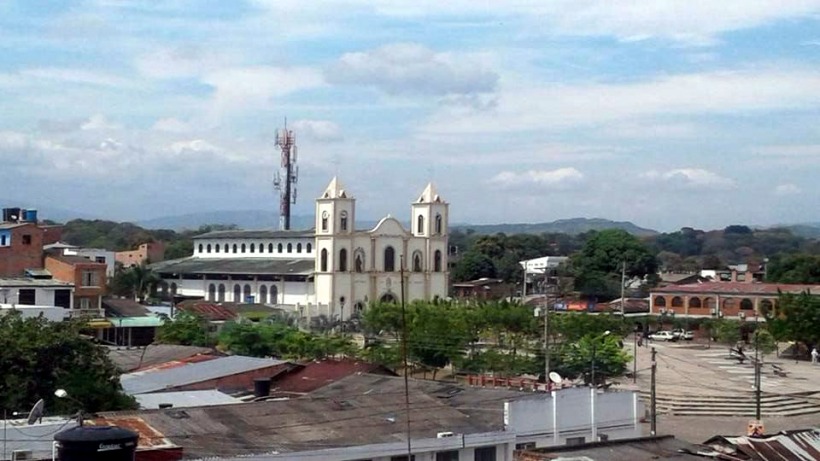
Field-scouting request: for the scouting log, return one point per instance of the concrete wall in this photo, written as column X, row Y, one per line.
column 43, row 296
column 94, row 253
column 54, row 314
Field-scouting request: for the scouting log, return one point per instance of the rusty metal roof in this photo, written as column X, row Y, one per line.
column 796, row 445
column 308, row 377
column 210, row 311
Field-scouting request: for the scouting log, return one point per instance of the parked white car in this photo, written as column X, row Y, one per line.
column 684, row 334
column 663, row 336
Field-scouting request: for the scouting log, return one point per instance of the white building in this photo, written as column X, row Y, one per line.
column 29, row 291
column 334, row 270
column 51, row 313
column 540, row 265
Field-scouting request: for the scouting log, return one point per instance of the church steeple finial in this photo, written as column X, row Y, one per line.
column 430, row 194
column 335, row 189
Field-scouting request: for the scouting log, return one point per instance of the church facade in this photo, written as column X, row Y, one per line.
column 334, row 270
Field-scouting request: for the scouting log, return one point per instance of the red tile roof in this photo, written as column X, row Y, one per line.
column 314, row 375
column 738, row 288
column 212, row 312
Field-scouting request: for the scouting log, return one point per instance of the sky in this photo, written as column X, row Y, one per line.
column 665, row 113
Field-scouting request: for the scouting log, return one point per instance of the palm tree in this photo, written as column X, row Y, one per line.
column 141, row 278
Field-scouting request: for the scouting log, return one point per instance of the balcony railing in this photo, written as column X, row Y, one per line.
column 87, row 313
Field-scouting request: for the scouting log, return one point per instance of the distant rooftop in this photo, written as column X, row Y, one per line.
column 27, row 282
column 156, row 354
column 185, row 399
column 256, row 234
column 261, row 266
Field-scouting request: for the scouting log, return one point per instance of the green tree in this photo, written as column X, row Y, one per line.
column 133, row 282
column 573, row 327
column 799, row 318
column 186, row 329
column 436, row 335
column 38, row 357
column 727, row 331
column 799, row 268
column 473, row 265
column 575, row 359
column 597, row 267
column 764, row 341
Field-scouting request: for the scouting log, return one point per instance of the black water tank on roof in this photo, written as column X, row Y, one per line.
column 261, row 387
column 96, row 443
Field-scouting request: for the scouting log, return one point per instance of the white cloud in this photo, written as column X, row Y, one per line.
column 787, row 189
column 99, row 122
column 320, row 130
column 720, row 92
column 179, row 62
column 790, row 150
column 651, row 130
column 689, row 178
column 408, row 68
column 172, row 125
column 560, row 178
column 76, row 76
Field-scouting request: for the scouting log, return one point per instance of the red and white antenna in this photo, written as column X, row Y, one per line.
column 286, row 184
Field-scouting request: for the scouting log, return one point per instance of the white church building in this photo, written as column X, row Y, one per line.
column 334, row 270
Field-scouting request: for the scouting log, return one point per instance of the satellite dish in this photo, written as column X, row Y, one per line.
column 556, row 378
column 36, row 412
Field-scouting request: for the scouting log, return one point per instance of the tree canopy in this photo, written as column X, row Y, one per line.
column 186, row 329
column 38, row 357
column 799, row 318
column 800, row 268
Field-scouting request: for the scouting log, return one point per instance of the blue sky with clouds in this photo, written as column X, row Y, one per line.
column 667, row 113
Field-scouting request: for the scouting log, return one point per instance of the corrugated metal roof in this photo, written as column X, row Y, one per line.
column 185, row 399
column 33, row 283
column 150, row 381
column 313, row 375
column 211, row 311
column 798, row 445
column 255, row 234
column 267, row 266
column 128, row 359
column 124, row 307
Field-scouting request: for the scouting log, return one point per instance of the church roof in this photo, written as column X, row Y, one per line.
column 243, row 266
column 255, row 234
column 335, row 190
column 430, row 195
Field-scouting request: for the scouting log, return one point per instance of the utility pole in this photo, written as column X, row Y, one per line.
column 404, row 357
column 653, row 415
column 546, row 337
column 757, row 381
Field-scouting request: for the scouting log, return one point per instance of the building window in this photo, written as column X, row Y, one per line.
column 237, row 293
column 660, row 301
column 766, row 308
column 746, row 304
column 263, row 294
column 274, row 294
column 343, row 260
column 201, row 248
column 27, row 297
column 290, row 248
column 85, row 303
column 279, row 248
column 389, row 259
column 208, row 248
column 420, row 225
column 694, row 303
column 247, row 292
column 243, row 248
column 261, row 247
column 324, row 221
column 62, row 298
column 309, row 248
column 212, row 292
column 323, row 262
column 437, row 261
column 359, row 260
column 358, row 308
column 298, row 247
column 253, row 248
column 27, row 239
column 677, row 301
column 525, row 446
column 438, row 224
column 216, row 248
column 100, row 259
column 234, row 248
column 485, row 454
column 447, row 455
column 343, row 221
column 417, row 265
column 221, row 292
column 270, row 248
column 90, row 279
column 4, row 240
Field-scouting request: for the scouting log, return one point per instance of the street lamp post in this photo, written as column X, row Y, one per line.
column 62, row 394
column 594, row 342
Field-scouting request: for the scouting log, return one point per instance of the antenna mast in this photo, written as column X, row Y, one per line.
column 286, row 186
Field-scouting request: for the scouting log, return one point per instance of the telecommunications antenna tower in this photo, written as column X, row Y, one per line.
column 285, row 179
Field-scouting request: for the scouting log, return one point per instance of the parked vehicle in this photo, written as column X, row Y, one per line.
column 663, row 336
column 684, row 334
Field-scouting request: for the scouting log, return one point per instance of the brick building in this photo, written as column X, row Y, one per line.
column 722, row 299
column 21, row 248
column 88, row 278
column 147, row 252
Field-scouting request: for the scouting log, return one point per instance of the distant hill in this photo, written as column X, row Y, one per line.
column 566, row 226
column 243, row 219
column 806, row 230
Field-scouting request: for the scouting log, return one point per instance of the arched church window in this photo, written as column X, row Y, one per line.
column 438, row 224
column 208, row 248
column 261, row 247
column 253, row 248
column 343, row 260
column 420, row 225
column 216, row 249
column 437, row 261
column 237, row 293
column 309, row 248
column 324, row 221
column 247, row 293
column 343, row 220
column 201, row 248
column 298, row 247
column 389, row 259
column 221, row 297
column 279, row 248
column 290, row 248
column 417, row 265
column 243, row 248
column 263, row 294
column 359, row 260
column 270, row 248
column 234, row 248
column 212, row 292
column 274, row 294
column 323, row 262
